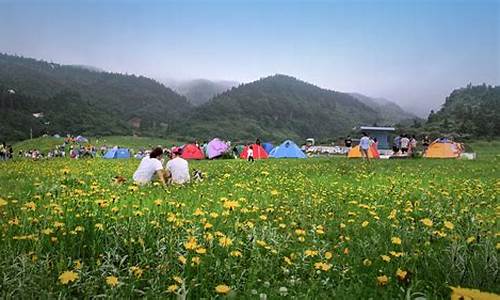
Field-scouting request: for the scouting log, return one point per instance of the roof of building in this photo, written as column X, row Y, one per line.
column 377, row 128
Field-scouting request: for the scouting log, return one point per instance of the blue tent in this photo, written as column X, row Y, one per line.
column 271, row 153
column 287, row 149
column 268, row 147
column 117, row 153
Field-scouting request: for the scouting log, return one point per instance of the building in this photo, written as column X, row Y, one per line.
column 382, row 134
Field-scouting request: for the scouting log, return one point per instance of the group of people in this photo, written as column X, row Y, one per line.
column 176, row 170
column 403, row 144
column 6, row 151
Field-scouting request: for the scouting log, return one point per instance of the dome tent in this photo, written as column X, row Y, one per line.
column 258, row 152
column 216, row 148
column 355, row 152
column 117, row 153
column 191, row 151
column 443, row 149
column 287, row 149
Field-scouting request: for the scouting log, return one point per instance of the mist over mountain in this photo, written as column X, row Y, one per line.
column 389, row 112
column 199, row 91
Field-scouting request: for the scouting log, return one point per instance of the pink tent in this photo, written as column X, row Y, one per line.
column 216, row 148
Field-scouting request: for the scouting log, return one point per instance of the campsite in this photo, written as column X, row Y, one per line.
column 277, row 227
column 193, row 149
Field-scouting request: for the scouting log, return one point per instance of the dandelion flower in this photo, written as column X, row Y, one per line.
column 172, row 288
column 449, row 225
column 396, row 240
column 225, row 242
column 401, row 275
column 112, row 281
column 67, row 277
column 382, row 280
column 222, row 289
column 427, row 222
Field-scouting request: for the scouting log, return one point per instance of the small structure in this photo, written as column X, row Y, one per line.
column 381, row 134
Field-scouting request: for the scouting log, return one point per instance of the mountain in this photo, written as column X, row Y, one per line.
column 389, row 112
column 113, row 103
column 277, row 107
column 469, row 111
column 199, row 91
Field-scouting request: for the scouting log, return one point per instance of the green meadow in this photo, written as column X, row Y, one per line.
column 318, row 228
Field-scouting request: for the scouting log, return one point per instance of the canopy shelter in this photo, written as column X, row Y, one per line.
column 258, row 152
column 191, row 151
column 382, row 134
column 355, row 152
column 216, row 148
column 288, row 149
column 117, row 153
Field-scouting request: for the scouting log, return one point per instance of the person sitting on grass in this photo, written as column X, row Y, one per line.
column 178, row 168
column 149, row 167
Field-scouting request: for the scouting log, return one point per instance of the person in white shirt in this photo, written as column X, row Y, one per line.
column 149, row 167
column 250, row 153
column 364, row 145
column 405, row 143
column 178, row 168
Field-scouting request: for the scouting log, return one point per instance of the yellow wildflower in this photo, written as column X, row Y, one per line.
column 67, row 277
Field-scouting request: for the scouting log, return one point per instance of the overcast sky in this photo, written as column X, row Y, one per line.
column 412, row 52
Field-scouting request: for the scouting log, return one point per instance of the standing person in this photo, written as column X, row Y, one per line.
column 413, row 145
column 426, row 142
column 178, row 168
column 348, row 142
column 149, row 167
column 364, row 146
column 396, row 143
column 250, row 153
column 405, row 143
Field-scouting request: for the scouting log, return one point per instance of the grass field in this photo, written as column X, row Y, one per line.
column 316, row 228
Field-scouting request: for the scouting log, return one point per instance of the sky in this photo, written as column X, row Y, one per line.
column 413, row 52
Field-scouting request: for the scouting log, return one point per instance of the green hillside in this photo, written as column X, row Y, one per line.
column 277, row 107
column 473, row 111
column 82, row 101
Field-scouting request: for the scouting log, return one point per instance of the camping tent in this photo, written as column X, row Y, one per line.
column 268, row 147
column 191, row 151
column 81, row 139
column 356, row 153
column 216, row 148
column 443, row 149
column 258, row 152
column 117, row 153
column 287, row 149
column 271, row 153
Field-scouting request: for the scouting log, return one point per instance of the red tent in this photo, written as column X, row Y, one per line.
column 190, row 151
column 258, row 152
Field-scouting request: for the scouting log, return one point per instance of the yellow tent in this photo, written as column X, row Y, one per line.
column 443, row 150
column 356, row 153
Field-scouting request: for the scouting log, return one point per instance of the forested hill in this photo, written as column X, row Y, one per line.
column 472, row 111
column 83, row 101
column 277, row 107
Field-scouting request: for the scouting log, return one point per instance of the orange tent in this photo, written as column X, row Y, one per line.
column 258, row 152
column 356, row 153
column 443, row 150
column 190, row 151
